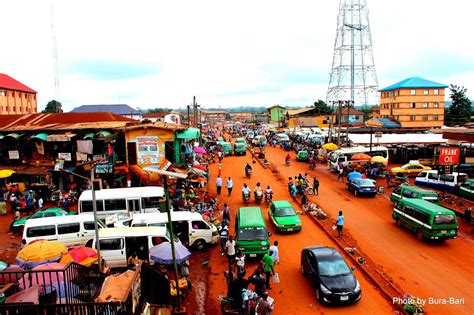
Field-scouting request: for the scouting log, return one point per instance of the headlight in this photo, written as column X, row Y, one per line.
column 357, row 287
column 298, row 224
column 325, row 290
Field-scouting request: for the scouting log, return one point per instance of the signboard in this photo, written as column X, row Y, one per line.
column 378, row 134
column 14, row 155
column 59, row 165
column 64, row 156
column 103, row 168
column 147, row 150
column 449, row 155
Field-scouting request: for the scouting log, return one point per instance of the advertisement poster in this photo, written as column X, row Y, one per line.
column 449, row 155
column 14, row 155
column 147, row 150
column 64, row 156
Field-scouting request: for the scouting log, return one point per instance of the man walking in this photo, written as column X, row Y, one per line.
column 340, row 223
column 226, row 214
column 316, row 185
column 223, row 233
column 230, row 184
column 218, row 184
column 230, row 246
column 268, row 267
column 341, row 173
column 274, row 249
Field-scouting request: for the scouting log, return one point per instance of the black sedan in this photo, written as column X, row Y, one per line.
column 329, row 274
column 362, row 186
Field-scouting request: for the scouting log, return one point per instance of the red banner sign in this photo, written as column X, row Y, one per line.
column 449, row 156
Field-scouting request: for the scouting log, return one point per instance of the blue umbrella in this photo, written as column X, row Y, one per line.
column 161, row 253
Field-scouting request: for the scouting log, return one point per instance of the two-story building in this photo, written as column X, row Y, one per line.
column 277, row 115
column 414, row 103
column 350, row 114
column 213, row 117
column 15, row 97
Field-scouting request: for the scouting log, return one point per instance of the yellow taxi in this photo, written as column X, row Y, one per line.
column 412, row 168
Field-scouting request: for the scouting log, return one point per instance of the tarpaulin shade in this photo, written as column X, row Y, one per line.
column 15, row 135
column 89, row 135
column 60, row 137
column 41, row 136
column 40, row 252
column 6, row 173
column 190, row 133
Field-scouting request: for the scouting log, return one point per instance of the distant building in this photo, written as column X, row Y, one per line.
column 170, row 118
column 306, row 117
column 213, row 117
column 414, row 103
column 15, row 97
column 375, row 112
column 277, row 115
column 242, row 116
column 355, row 117
column 118, row 109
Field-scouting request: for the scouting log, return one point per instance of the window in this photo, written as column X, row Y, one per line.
column 86, row 206
column 158, row 240
column 425, row 92
column 356, row 117
column 412, row 92
column 425, row 117
column 436, row 105
column 41, row 231
column 49, row 214
column 409, row 211
column 433, row 176
column 436, row 92
column 413, row 105
column 68, row 228
column 201, row 225
column 447, row 178
column 435, row 117
column 425, row 105
column 13, row 94
column 406, row 194
column 111, row 244
column 421, row 216
column 412, row 117
column 2, row 93
column 397, row 190
column 89, row 226
column 151, row 202
column 444, row 219
column 115, row 204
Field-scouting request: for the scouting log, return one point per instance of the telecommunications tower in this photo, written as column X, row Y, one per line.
column 353, row 76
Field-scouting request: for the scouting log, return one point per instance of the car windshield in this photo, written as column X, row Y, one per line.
column 252, row 234
column 36, row 215
column 332, row 266
column 441, row 219
column 285, row 212
column 366, row 183
column 405, row 166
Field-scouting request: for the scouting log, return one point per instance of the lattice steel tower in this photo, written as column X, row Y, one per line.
column 353, row 76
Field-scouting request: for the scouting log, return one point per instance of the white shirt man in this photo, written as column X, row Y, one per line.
column 40, row 203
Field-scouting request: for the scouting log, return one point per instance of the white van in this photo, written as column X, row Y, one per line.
column 70, row 230
column 190, row 227
column 118, row 244
column 280, row 137
column 448, row 182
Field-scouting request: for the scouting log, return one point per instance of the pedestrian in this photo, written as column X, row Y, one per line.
column 264, row 307
column 341, row 173
column 269, row 263
column 304, row 200
column 230, row 247
column 218, row 184
column 230, row 184
column 223, row 233
column 340, row 223
column 40, row 203
column 275, row 255
column 316, row 185
column 226, row 214
column 258, row 282
column 240, row 263
column 219, row 167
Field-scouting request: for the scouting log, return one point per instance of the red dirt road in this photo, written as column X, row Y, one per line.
column 293, row 295
column 425, row 270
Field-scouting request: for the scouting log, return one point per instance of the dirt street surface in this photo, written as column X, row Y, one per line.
column 293, row 295
column 422, row 269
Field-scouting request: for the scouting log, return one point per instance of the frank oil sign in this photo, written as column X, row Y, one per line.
column 449, row 156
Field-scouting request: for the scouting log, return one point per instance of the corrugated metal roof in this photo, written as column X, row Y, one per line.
column 297, row 111
column 352, row 111
column 8, row 82
column 387, row 123
column 414, row 82
column 119, row 109
column 393, row 138
column 63, row 121
column 158, row 124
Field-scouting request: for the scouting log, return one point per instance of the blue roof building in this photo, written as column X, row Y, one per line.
column 118, row 109
column 414, row 83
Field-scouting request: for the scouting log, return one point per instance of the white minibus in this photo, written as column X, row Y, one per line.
column 70, row 230
column 447, row 182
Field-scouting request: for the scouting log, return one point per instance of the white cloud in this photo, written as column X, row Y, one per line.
column 226, row 53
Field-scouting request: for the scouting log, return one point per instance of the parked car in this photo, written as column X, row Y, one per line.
column 467, row 168
column 412, row 168
column 302, row 156
column 46, row 213
column 361, row 186
column 330, row 275
column 284, row 217
column 466, row 189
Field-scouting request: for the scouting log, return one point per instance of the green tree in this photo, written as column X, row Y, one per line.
column 460, row 110
column 160, row 110
column 53, row 107
column 366, row 110
column 322, row 108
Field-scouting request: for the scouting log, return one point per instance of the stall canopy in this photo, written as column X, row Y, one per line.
column 190, row 133
column 63, row 137
column 89, row 136
column 15, row 135
column 41, row 136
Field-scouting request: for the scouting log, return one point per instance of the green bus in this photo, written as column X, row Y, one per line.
column 240, row 148
column 466, row 189
column 428, row 220
column 407, row 191
column 252, row 236
column 226, row 147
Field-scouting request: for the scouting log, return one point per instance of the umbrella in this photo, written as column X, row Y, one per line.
column 85, row 256
column 200, row 150
column 330, row 146
column 6, row 173
column 40, row 252
column 378, row 159
column 361, row 157
column 161, row 253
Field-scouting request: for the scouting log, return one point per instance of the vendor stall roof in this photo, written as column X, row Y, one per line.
column 190, row 133
column 391, row 138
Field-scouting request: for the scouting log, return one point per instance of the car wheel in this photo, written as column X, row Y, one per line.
column 355, row 192
column 419, row 235
column 200, row 245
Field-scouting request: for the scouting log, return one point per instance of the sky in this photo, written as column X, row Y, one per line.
column 150, row 54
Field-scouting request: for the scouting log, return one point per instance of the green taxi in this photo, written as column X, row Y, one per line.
column 284, row 216
column 302, row 155
column 226, row 147
column 50, row 212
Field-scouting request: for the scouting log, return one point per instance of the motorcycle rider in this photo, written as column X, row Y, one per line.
column 287, row 158
column 248, row 169
column 245, row 191
column 312, row 163
column 258, row 191
column 268, row 193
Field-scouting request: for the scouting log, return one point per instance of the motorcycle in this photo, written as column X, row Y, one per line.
column 230, row 306
column 312, row 166
column 248, row 173
column 246, row 199
column 287, row 161
column 268, row 198
column 258, row 197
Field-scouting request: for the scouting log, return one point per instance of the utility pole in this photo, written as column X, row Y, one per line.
column 189, row 116
column 195, row 111
column 339, row 116
column 347, row 122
